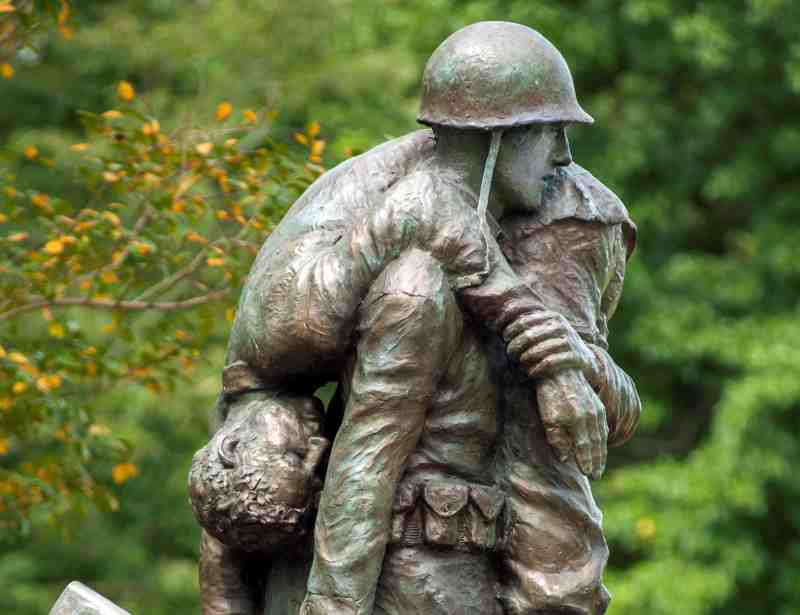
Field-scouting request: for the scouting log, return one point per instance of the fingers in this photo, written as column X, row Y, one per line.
column 533, row 321
column 594, row 439
column 599, row 439
column 553, row 363
column 558, row 438
column 575, row 423
column 538, row 353
column 583, row 452
column 534, row 336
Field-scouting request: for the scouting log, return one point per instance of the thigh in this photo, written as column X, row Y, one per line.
column 426, row 581
column 553, row 551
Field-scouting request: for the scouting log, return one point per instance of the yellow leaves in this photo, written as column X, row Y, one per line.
column 3, row 218
column 181, row 335
column 301, row 138
column 151, row 179
column 31, row 152
column 111, row 177
column 46, row 383
column 90, row 351
column 111, row 217
column 112, row 114
column 317, row 147
column 215, row 261
column 54, row 246
column 7, row 7
column 143, row 248
column 56, row 329
column 230, row 314
column 6, row 70
column 6, row 403
column 224, row 110
column 187, row 181
column 3, row 352
column 223, row 215
column 123, row 472
column 109, row 277
column 153, row 127
column 4, row 446
column 79, row 147
column 18, row 358
column 204, row 149
column 17, row 237
column 91, row 369
column 313, row 129
column 98, row 429
column 178, row 207
column 19, row 387
column 63, row 17
column 125, row 91
column 10, row 192
column 109, row 328
column 646, row 528
column 141, row 372
column 195, row 237
column 250, row 116
column 40, row 200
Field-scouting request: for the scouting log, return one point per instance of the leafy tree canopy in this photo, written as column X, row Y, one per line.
column 697, row 129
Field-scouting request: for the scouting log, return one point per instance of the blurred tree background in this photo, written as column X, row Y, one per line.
column 698, row 129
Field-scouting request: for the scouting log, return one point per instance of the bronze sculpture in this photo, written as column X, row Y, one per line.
column 456, row 284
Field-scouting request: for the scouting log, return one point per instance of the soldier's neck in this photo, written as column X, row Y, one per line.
column 463, row 152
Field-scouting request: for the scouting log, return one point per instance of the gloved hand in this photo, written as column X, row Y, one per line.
column 544, row 343
column 548, row 348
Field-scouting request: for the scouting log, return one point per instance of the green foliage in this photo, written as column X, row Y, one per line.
column 697, row 129
column 126, row 281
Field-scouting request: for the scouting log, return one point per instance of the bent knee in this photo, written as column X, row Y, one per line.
column 411, row 299
column 415, row 273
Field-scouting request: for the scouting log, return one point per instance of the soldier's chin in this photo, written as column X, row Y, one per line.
column 259, row 526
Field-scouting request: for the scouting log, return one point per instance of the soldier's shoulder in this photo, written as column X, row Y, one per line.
column 576, row 193
column 431, row 187
column 362, row 178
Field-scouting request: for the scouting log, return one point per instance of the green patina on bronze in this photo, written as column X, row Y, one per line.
column 498, row 74
column 467, row 337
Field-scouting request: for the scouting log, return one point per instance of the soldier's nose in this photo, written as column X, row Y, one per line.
column 562, row 155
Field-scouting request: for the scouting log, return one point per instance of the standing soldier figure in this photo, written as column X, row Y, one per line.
column 457, row 372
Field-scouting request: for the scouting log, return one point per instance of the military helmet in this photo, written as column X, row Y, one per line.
column 497, row 74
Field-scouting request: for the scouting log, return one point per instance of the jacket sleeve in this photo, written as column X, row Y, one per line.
column 615, row 388
column 299, row 308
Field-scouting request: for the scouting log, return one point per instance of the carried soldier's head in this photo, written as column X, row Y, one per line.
column 253, row 485
column 507, row 80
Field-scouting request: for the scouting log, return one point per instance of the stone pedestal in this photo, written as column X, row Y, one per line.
column 77, row 599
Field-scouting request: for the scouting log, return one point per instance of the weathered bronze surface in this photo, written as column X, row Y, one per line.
column 456, row 285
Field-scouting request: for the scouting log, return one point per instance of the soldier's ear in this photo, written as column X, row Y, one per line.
column 227, row 450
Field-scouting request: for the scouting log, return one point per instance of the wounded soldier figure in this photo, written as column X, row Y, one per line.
column 456, row 284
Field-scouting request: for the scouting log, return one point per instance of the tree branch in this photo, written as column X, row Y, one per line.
column 110, row 304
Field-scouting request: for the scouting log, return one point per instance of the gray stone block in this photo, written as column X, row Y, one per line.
column 77, row 599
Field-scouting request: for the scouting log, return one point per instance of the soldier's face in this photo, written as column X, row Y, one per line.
column 528, row 158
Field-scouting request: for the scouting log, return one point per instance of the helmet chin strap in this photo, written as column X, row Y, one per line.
column 486, row 188
column 488, row 173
